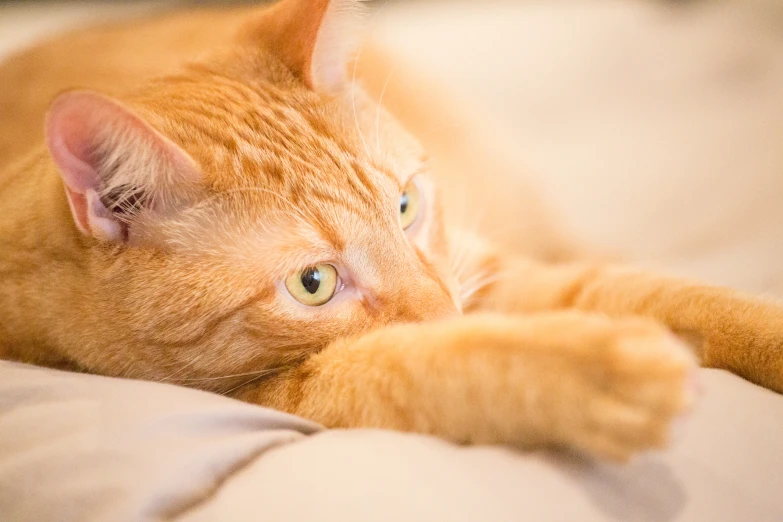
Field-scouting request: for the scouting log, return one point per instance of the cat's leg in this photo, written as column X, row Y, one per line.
column 731, row 330
column 606, row 387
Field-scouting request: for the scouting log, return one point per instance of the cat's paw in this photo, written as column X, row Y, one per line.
column 643, row 388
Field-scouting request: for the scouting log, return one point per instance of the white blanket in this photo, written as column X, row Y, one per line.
column 81, row 448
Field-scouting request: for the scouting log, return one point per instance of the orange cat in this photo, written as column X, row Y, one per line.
column 242, row 217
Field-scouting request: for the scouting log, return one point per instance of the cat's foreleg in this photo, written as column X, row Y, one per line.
column 606, row 387
column 730, row 330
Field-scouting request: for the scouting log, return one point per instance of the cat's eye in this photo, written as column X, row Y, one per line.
column 410, row 202
column 313, row 286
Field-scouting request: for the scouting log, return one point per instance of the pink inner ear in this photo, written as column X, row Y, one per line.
column 78, row 203
column 72, row 124
column 313, row 38
column 71, row 127
column 92, row 217
column 81, row 123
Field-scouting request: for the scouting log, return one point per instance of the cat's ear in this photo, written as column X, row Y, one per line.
column 113, row 164
column 314, row 39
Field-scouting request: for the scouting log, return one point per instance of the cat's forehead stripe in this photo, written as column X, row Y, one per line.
column 285, row 145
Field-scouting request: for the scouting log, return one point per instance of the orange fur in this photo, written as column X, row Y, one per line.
column 245, row 153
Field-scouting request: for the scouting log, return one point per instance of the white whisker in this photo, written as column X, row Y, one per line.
column 353, row 82
column 380, row 106
column 353, row 102
column 468, row 291
column 259, row 376
column 182, row 369
column 223, row 377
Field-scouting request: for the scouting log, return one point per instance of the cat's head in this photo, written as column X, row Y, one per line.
column 251, row 209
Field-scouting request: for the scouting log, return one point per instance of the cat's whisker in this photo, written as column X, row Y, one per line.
column 182, row 369
column 191, row 380
column 353, row 102
column 469, row 291
column 458, row 262
column 458, row 252
column 353, row 80
column 477, row 276
column 380, row 107
column 255, row 378
column 459, row 274
column 460, row 256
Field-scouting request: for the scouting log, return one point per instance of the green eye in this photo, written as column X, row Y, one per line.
column 409, row 205
column 314, row 286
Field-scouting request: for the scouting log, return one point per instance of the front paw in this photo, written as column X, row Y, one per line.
column 636, row 389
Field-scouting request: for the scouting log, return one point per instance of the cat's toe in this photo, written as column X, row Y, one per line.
column 645, row 396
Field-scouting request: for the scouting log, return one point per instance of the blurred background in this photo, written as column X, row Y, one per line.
column 654, row 127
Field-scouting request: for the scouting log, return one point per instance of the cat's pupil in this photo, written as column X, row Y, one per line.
column 311, row 280
column 404, row 203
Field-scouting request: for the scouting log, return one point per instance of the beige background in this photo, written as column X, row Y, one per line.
column 657, row 130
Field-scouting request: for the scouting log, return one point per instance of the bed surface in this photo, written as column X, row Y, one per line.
column 82, row 448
